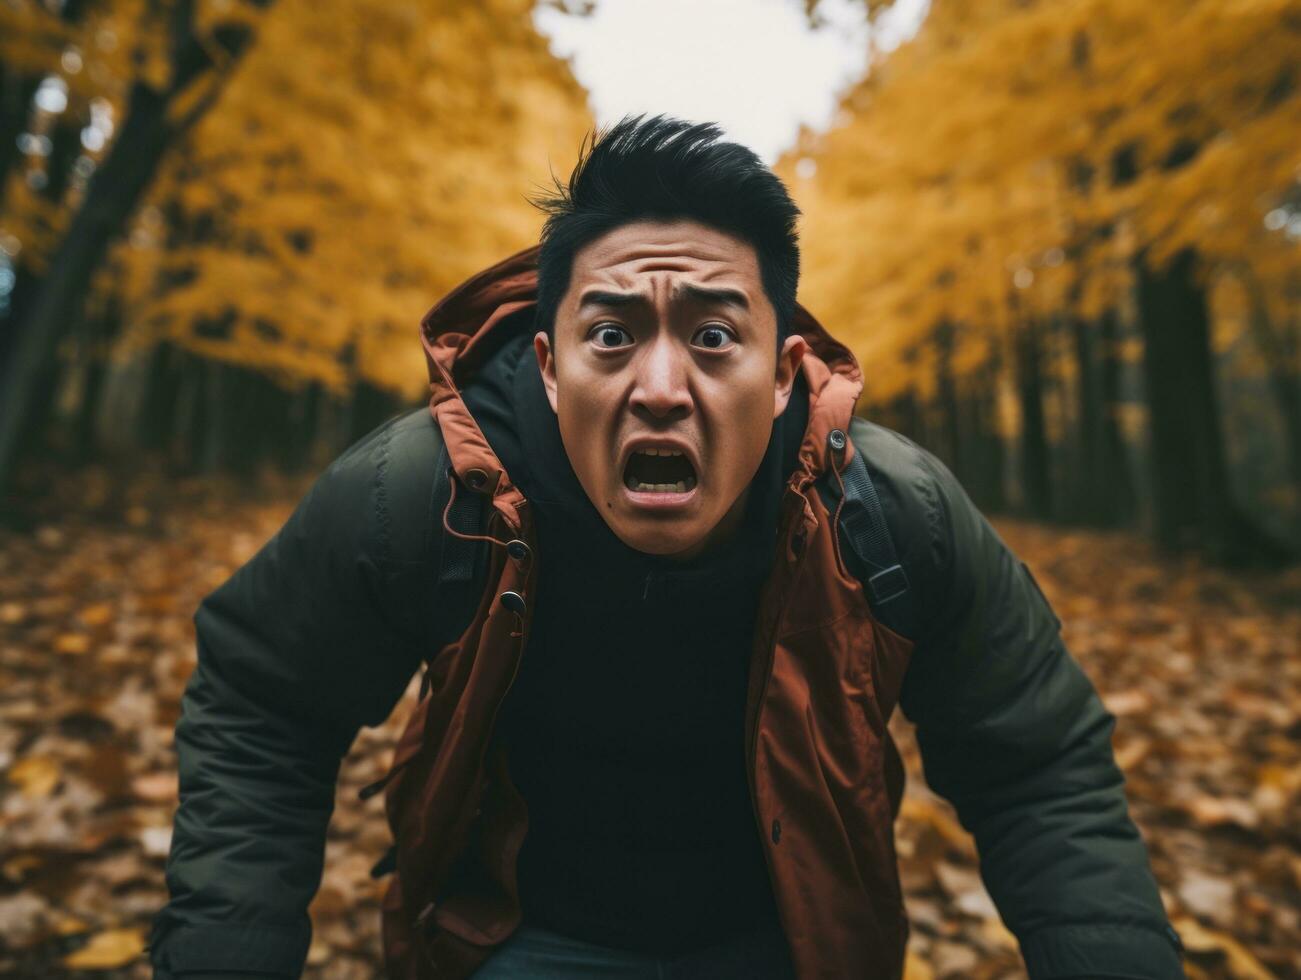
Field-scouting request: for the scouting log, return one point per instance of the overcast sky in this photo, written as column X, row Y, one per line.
column 752, row 65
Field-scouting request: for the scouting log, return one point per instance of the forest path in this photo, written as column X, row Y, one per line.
column 1200, row 666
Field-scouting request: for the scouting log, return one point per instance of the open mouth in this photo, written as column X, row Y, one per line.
column 659, row 471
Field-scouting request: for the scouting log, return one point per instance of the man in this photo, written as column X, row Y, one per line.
column 651, row 739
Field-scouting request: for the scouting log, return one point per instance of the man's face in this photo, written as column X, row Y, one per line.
column 665, row 378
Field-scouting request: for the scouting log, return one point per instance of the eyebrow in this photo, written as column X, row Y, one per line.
column 701, row 294
column 600, row 297
column 716, row 295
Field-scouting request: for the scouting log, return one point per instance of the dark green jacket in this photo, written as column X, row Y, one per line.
column 321, row 631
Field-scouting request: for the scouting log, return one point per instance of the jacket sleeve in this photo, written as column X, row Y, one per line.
column 309, row 640
column 1014, row 735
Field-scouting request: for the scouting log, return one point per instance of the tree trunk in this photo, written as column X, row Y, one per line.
column 1194, row 507
column 1035, row 474
column 114, row 189
column 1284, row 367
column 16, row 91
column 1118, row 497
column 1102, row 485
column 950, row 443
column 987, row 442
column 1086, row 478
column 370, row 406
column 113, row 192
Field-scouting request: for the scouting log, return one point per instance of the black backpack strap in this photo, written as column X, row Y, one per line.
column 865, row 542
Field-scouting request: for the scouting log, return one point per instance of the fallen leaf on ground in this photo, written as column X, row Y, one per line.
column 915, row 968
column 35, row 776
column 108, row 950
column 156, row 841
column 1127, row 702
column 1199, row 939
column 73, row 644
column 1214, row 811
column 100, row 614
column 155, row 787
column 1206, row 895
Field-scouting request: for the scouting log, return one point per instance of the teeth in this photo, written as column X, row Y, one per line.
column 651, row 452
column 682, row 486
column 660, row 452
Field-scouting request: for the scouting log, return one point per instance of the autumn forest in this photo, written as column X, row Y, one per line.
column 1062, row 239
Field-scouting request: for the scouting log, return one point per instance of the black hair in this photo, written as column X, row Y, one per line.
column 666, row 168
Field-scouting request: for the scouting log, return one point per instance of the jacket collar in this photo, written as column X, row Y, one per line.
column 457, row 333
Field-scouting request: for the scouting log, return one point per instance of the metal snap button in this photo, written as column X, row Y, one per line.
column 476, row 479
column 836, row 439
column 513, row 601
column 517, row 549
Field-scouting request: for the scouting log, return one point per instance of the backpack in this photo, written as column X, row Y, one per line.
column 866, row 548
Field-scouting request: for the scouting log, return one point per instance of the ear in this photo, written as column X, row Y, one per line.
column 546, row 364
column 788, row 364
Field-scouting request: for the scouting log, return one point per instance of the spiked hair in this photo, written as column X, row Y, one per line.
column 665, row 168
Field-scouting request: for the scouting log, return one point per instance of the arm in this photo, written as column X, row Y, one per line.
column 1014, row 735
column 312, row 638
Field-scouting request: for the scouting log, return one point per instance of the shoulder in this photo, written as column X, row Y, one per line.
column 379, row 492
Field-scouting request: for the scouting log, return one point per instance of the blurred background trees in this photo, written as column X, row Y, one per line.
column 1065, row 241
column 1063, row 238
column 283, row 226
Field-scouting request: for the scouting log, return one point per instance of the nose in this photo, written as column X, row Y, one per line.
column 661, row 389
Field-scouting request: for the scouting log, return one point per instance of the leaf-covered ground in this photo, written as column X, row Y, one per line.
column 97, row 589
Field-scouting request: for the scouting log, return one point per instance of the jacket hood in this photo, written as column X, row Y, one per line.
column 468, row 325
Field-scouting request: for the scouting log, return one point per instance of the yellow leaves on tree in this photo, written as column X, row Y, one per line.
column 366, row 157
column 1013, row 160
column 92, row 54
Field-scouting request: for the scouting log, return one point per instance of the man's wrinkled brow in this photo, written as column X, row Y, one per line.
column 717, row 296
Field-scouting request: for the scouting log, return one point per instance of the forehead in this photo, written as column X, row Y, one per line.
column 648, row 248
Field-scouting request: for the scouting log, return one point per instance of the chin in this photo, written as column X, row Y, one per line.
column 660, row 540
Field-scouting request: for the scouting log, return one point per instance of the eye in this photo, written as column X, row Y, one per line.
column 607, row 336
column 714, row 336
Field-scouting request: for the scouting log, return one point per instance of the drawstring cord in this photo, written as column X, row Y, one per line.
column 451, row 499
column 835, row 516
